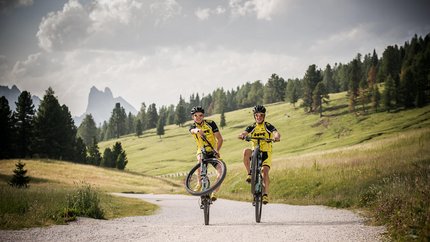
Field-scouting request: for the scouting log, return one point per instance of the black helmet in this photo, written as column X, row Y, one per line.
column 197, row 109
column 259, row 109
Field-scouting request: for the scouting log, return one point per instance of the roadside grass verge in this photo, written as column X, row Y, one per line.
column 61, row 191
column 388, row 180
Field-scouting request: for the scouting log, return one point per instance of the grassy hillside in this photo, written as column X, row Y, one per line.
column 301, row 133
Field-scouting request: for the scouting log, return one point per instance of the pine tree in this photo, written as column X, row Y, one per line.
column 54, row 130
column 222, row 121
column 310, row 80
column 139, row 129
column 108, row 158
column 389, row 93
column 87, row 130
column 180, row 113
column 160, row 126
column 320, row 96
column 118, row 120
column 19, row 179
column 94, row 157
column 355, row 74
column 80, row 151
column 6, row 129
column 152, row 115
column 24, row 117
column 121, row 161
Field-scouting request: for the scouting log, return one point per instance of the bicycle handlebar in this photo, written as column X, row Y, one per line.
column 248, row 138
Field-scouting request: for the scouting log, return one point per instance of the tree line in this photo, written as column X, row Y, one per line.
column 50, row 132
column 404, row 72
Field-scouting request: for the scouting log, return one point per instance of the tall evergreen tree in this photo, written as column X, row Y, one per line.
column 80, row 151
column 389, row 94
column 108, row 159
column 355, row 75
column 24, row 117
column 94, row 157
column 310, row 80
column 139, row 129
column 408, row 90
column 152, row 115
column 142, row 116
column 50, row 127
column 274, row 90
column 292, row 92
column 329, row 81
column 320, row 96
column 222, row 120
column 160, row 126
column 6, row 129
column 118, row 120
column 180, row 112
column 87, row 130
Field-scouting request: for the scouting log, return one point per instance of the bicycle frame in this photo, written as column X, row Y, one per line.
column 256, row 176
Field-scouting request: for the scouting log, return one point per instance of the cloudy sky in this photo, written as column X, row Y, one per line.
column 152, row 51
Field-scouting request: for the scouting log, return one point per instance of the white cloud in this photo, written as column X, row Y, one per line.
column 203, row 14
column 263, row 9
column 64, row 30
column 165, row 10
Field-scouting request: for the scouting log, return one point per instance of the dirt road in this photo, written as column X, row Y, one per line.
column 181, row 219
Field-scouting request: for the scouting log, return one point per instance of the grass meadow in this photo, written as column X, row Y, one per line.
column 375, row 163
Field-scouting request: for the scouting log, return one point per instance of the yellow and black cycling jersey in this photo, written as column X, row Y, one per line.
column 209, row 127
column 263, row 130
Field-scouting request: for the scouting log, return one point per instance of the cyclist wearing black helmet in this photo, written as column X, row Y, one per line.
column 260, row 129
column 209, row 129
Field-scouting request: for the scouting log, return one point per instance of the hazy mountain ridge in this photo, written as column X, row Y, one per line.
column 100, row 103
column 12, row 95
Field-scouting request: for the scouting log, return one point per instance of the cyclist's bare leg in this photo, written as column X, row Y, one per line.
column 266, row 179
column 246, row 159
column 218, row 175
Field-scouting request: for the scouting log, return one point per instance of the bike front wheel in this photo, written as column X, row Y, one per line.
column 216, row 172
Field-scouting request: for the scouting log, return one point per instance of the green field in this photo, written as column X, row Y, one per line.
column 378, row 163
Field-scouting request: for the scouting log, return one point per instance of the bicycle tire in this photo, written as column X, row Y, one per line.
column 254, row 169
column 206, row 209
column 258, row 200
column 213, row 185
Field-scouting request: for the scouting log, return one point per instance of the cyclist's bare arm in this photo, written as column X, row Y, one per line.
column 242, row 135
column 276, row 136
column 197, row 131
column 220, row 140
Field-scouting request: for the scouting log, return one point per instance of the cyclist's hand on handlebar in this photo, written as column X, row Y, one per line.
column 241, row 136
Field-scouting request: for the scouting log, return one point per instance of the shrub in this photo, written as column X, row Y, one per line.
column 84, row 201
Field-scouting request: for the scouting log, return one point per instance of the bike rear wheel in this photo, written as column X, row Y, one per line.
column 206, row 207
column 258, row 200
column 193, row 178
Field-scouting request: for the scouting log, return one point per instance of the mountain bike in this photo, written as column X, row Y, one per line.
column 210, row 178
column 257, row 177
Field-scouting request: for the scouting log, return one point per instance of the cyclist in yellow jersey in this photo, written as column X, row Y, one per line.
column 209, row 129
column 264, row 130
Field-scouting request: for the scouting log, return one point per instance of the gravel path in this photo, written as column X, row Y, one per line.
column 181, row 219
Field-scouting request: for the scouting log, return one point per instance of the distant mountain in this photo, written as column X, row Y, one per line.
column 12, row 95
column 101, row 104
